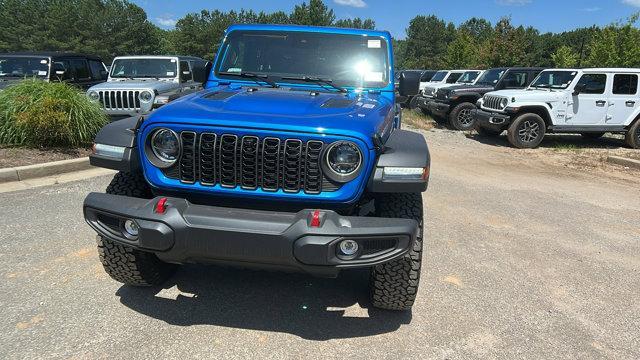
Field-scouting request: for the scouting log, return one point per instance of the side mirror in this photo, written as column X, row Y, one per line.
column 409, row 83
column 578, row 89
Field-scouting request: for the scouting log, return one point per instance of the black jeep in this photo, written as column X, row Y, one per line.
column 455, row 104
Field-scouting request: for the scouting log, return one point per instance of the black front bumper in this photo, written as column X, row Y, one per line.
column 188, row 233
column 492, row 120
column 422, row 101
column 438, row 108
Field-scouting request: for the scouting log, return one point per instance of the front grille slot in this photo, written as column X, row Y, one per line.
column 251, row 162
column 493, row 102
column 120, row 99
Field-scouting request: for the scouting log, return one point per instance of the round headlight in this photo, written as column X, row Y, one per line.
column 146, row 96
column 93, row 96
column 342, row 161
column 165, row 145
column 504, row 102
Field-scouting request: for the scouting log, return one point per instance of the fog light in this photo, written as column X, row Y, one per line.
column 131, row 228
column 348, row 247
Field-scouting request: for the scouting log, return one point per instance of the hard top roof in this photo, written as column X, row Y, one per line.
column 303, row 28
column 50, row 54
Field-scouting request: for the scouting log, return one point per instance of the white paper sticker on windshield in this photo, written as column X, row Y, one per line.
column 374, row 44
column 171, row 73
column 234, row 70
column 173, row 60
column 44, row 61
column 373, row 76
column 42, row 73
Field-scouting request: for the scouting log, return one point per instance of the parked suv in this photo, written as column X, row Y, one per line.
column 138, row 84
column 590, row 102
column 425, row 76
column 76, row 69
column 292, row 158
column 455, row 104
column 469, row 77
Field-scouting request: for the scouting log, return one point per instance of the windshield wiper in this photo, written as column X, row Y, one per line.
column 258, row 78
column 316, row 80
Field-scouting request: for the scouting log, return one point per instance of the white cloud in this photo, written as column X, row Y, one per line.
column 635, row 3
column 166, row 21
column 352, row 3
column 513, row 2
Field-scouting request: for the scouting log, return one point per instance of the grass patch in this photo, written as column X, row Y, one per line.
column 564, row 146
column 35, row 113
column 415, row 118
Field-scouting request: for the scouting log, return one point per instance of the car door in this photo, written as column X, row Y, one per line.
column 590, row 106
column 81, row 73
column 623, row 101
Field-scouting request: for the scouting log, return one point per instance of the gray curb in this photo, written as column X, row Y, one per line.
column 624, row 161
column 41, row 170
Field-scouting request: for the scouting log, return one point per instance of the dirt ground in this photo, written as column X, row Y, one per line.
column 16, row 156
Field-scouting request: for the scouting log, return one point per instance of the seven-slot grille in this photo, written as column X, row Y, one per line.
column 120, row 99
column 493, row 102
column 251, row 162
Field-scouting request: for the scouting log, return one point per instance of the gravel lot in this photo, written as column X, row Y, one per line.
column 529, row 254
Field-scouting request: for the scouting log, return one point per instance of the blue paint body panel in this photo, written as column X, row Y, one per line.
column 291, row 111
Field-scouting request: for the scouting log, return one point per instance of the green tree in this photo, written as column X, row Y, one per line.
column 314, row 13
column 617, row 45
column 565, row 57
column 507, row 47
column 356, row 23
column 427, row 41
column 462, row 53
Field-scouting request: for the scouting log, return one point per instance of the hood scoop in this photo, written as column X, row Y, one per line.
column 337, row 103
column 219, row 95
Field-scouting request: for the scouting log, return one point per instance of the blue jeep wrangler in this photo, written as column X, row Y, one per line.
column 291, row 158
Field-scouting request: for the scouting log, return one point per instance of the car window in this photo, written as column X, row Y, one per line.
column 184, row 67
column 453, row 78
column 515, row 79
column 79, row 69
column 592, row 83
column 625, row 84
column 426, row 76
column 97, row 69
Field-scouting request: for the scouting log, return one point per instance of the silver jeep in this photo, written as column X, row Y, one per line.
column 139, row 84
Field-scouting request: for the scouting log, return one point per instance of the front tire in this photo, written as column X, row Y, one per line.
column 526, row 131
column 632, row 137
column 461, row 117
column 394, row 284
column 124, row 263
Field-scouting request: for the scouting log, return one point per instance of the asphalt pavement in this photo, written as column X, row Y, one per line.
column 522, row 261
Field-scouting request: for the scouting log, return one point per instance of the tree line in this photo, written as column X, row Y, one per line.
column 109, row 28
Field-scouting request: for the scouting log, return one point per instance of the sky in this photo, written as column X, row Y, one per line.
column 394, row 15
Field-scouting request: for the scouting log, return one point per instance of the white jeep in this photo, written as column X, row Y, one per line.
column 590, row 102
column 455, row 77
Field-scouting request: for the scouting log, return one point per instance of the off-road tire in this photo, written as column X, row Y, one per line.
column 394, row 284
column 592, row 135
column 461, row 117
column 413, row 103
column 632, row 138
column 124, row 263
column 484, row 132
column 526, row 131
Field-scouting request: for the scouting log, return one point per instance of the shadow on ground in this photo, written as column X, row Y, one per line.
column 301, row 305
column 556, row 141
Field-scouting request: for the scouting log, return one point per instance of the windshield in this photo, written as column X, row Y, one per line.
column 491, row 77
column 469, row 77
column 345, row 60
column 439, row 76
column 554, row 79
column 144, row 68
column 21, row 66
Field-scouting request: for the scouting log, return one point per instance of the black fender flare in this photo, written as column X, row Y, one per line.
column 403, row 148
column 121, row 133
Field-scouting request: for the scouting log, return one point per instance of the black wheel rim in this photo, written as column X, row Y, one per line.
column 465, row 118
column 529, row 131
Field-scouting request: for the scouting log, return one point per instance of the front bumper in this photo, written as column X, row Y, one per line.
column 188, row 233
column 437, row 108
column 423, row 101
column 492, row 120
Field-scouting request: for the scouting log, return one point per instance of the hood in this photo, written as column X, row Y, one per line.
column 282, row 109
column 470, row 88
column 530, row 95
column 160, row 86
column 4, row 83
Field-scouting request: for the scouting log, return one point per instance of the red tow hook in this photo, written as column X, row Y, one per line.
column 315, row 219
column 161, row 206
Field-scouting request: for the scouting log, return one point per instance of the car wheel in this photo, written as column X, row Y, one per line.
column 462, row 117
column 592, row 135
column 633, row 136
column 526, row 131
column 124, row 263
column 413, row 103
column 394, row 284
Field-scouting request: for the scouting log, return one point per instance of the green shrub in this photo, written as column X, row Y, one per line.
column 37, row 113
